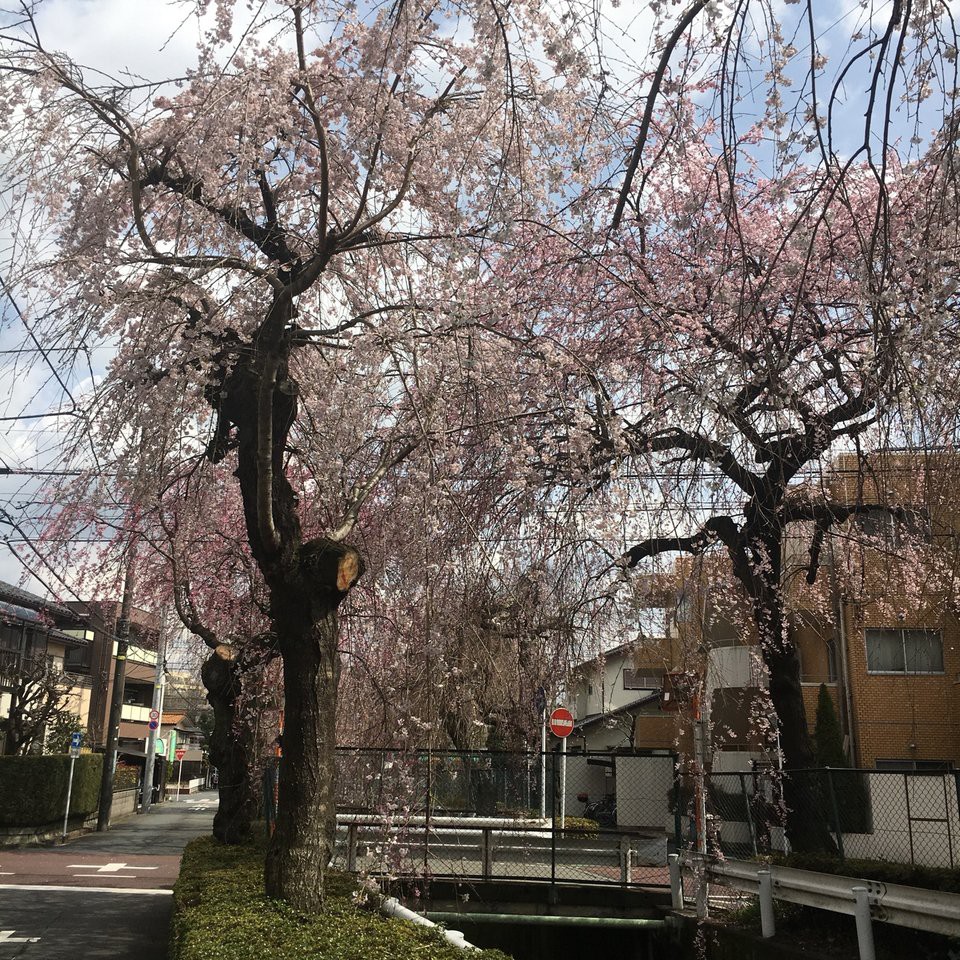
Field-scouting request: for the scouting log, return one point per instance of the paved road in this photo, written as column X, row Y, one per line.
column 101, row 895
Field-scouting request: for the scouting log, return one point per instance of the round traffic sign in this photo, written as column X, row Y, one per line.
column 153, row 724
column 179, row 754
column 154, row 714
column 561, row 722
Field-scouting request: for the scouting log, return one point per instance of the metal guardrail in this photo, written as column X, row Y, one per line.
column 919, row 909
column 487, row 848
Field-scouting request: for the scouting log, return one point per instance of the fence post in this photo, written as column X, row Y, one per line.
column 746, row 803
column 626, row 856
column 906, row 794
column 553, row 821
column 864, row 925
column 352, row 848
column 767, row 923
column 835, row 812
column 946, row 814
column 676, row 882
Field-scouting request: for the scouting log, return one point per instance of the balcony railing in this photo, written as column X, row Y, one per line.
column 133, row 711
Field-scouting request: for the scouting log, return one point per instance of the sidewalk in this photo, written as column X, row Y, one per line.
column 102, row 895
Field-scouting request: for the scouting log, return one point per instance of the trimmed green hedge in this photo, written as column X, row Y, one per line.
column 221, row 913
column 929, row 878
column 33, row 790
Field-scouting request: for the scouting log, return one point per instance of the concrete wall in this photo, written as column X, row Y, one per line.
column 124, row 803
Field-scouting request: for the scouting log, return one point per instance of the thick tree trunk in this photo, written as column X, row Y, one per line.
column 302, row 843
column 807, row 822
column 230, row 745
column 807, row 825
column 307, row 582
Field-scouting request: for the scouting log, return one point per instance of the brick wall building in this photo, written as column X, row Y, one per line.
column 880, row 626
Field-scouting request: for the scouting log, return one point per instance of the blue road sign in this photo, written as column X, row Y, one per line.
column 76, row 739
column 153, row 724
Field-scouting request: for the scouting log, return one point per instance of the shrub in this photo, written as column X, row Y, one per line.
column 221, row 913
column 929, row 878
column 126, row 776
column 580, row 824
column 33, row 790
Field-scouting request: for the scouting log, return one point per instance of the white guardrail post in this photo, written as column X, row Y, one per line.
column 767, row 924
column 486, row 853
column 352, row 847
column 676, row 883
column 918, row 909
column 864, row 924
column 701, row 875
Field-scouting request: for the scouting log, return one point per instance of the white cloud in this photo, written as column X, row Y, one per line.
column 150, row 40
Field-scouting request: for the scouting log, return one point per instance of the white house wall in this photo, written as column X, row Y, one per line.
column 729, row 667
column 607, row 692
column 643, row 787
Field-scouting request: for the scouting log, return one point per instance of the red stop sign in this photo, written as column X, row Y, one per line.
column 561, row 722
column 179, row 754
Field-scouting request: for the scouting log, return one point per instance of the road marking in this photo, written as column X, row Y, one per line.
column 104, row 867
column 7, row 936
column 79, row 889
column 122, row 876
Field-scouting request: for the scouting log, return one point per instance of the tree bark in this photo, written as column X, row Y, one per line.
column 304, row 613
column 806, row 822
column 230, row 745
column 302, row 843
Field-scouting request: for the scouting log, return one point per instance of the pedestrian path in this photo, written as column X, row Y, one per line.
column 101, row 895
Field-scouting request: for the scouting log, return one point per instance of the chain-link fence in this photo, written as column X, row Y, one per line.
column 908, row 817
column 612, row 818
column 585, row 818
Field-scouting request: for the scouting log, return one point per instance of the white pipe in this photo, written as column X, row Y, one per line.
column 392, row 907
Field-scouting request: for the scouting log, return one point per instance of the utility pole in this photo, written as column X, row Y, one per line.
column 122, row 636
column 158, row 684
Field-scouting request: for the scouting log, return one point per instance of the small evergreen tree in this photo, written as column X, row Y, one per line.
column 850, row 789
column 827, row 736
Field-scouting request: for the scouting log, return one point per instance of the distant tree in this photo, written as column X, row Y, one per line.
column 38, row 695
column 205, row 724
column 59, row 730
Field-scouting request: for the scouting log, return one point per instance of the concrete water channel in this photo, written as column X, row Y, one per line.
column 532, row 920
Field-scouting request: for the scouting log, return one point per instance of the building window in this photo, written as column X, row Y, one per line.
column 904, row 651
column 831, row 646
column 921, row 766
column 912, row 527
column 9, row 637
column 685, row 609
column 812, row 673
column 646, row 678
